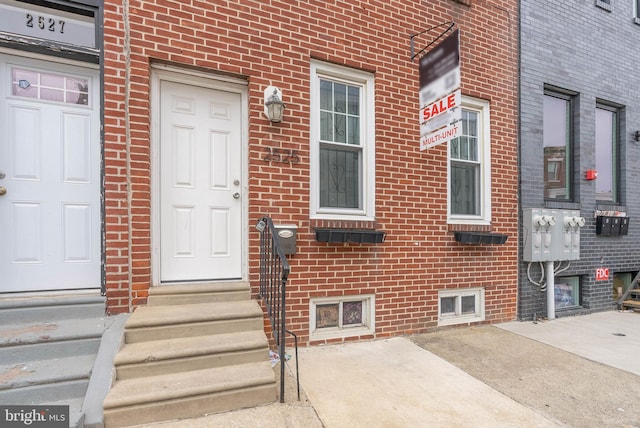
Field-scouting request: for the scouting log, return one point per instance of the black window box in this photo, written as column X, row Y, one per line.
column 611, row 226
column 349, row 235
column 480, row 238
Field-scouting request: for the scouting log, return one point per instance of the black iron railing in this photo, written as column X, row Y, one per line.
column 274, row 272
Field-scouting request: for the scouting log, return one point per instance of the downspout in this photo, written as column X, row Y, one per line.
column 519, row 210
column 127, row 127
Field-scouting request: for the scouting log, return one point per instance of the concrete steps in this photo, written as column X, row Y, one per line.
column 192, row 351
column 633, row 302
column 49, row 343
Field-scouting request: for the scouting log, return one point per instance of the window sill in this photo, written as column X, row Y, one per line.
column 636, row 20
column 561, row 205
column 457, row 320
column 604, row 5
column 571, row 311
column 327, row 334
column 468, row 221
column 603, row 208
column 336, row 223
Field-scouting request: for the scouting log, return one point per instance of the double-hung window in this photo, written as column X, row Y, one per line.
column 556, row 140
column 342, row 143
column 606, row 153
column 470, row 167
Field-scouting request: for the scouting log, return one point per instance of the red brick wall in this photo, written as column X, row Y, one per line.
column 272, row 42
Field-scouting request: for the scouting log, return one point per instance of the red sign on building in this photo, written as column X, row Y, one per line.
column 602, row 274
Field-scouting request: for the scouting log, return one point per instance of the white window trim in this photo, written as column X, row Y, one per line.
column 615, row 154
column 482, row 108
column 459, row 318
column 369, row 318
column 367, row 133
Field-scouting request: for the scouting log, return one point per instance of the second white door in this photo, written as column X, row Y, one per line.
column 200, row 181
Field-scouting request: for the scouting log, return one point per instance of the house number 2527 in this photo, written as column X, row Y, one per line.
column 44, row 23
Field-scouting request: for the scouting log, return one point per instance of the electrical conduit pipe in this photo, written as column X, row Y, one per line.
column 551, row 290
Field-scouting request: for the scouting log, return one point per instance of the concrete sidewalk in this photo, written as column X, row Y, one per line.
column 400, row 382
column 611, row 338
column 395, row 383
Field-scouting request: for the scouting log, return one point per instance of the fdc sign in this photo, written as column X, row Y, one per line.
column 602, row 274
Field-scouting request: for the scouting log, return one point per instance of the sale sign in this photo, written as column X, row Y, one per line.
column 440, row 94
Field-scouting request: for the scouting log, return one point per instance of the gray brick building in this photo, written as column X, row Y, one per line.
column 580, row 113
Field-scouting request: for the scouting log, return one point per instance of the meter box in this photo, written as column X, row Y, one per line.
column 551, row 234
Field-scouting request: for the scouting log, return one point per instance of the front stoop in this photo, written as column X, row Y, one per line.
column 206, row 354
column 50, row 348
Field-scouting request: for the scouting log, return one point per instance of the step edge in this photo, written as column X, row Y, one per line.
column 78, row 368
column 140, row 352
column 35, row 300
column 260, row 374
column 65, row 338
column 17, row 386
column 148, row 414
column 151, row 397
column 151, row 316
column 196, row 289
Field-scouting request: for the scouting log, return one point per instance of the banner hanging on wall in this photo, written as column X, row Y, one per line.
column 440, row 94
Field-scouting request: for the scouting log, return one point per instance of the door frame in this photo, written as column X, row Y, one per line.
column 165, row 72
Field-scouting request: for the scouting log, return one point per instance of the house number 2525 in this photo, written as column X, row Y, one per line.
column 44, row 23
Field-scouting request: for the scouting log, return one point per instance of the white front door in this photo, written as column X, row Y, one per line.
column 200, row 183
column 49, row 176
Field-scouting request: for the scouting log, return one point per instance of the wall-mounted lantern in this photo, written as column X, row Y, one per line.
column 636, row 135
column 273, row 105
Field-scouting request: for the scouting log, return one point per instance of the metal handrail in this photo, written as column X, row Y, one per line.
column 274, row 272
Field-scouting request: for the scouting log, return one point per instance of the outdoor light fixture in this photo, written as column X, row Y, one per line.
column 636, row 136
column 273, row 105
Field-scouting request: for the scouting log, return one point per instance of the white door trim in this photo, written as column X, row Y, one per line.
column 49, row 58
column 163, row 72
